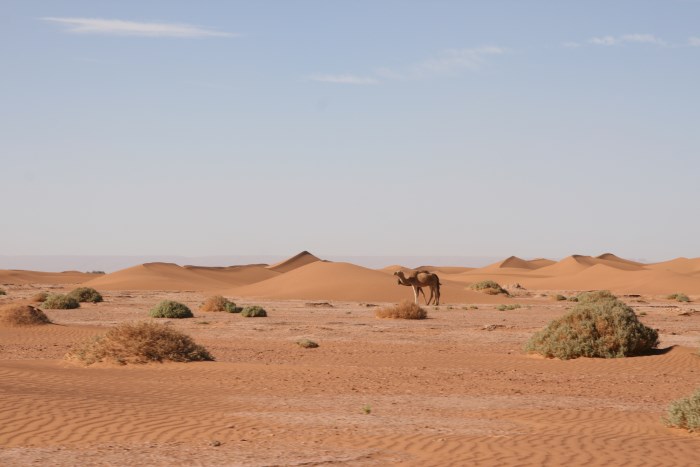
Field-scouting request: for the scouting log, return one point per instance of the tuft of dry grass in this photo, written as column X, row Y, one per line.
column 39, row 297
column 679, row 297
column 219, row 303
column 138, row 343
column 22, row 315
column 404, row 310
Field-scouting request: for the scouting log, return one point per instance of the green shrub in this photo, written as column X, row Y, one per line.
column 595, row 296
column 685, row 413
column 218, row 303
column 86, row 294
column 307, row 344
column 60, row 302
column 680, row 297
column 139, row 343
column 404, row 310
column 606, row 328
column 489, row 287
column 171, row 309
column 232, row 308
column 253, row 312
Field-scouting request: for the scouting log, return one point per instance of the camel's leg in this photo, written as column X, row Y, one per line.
column 437, row 294
column 420, row 289
column 431, row 296
column 415, row 294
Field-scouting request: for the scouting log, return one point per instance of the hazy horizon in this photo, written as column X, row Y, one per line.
column 369, row 128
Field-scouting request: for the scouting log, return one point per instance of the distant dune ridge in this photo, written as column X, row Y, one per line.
column 306, row 276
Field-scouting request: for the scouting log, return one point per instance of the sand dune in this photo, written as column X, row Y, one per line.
column 16, row 276
column 345, row 281
column 169, row 276
column 294, row 262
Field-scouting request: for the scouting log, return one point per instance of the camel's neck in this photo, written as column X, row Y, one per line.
column 403, row 279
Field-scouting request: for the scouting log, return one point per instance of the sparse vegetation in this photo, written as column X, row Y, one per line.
column 144, row 342
column 558, row 297
column 22, row 315
column 219, row 303
column 39, row 297
column 367, row 409
column 2, row 291
column 307, row 344
column 96, row 272
column 171, row 309
column 514, row 306
column 404, row 310
column 489, row 287
column 60, row 302
column 253, row 312
column 573, row 298
column 86, row 294
column 598, row 326
column 685, row 413
column 679, row 297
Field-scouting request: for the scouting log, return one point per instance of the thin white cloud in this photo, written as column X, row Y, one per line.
column 626, row 38
column 344, row 79
column 694, row 41
column 450, row 61
column 454, row 60
column 571, row 45
column 117, row 27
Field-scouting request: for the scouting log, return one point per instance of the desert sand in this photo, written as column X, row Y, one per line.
column 455, row 389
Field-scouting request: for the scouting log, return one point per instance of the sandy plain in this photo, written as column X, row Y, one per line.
column 455, row 389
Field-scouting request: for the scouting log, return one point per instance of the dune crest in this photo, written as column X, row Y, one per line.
column 296, row 261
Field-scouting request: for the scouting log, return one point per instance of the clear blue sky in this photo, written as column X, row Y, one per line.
column 535, row 128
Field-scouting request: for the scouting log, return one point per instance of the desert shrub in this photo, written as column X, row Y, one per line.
column 253, row 312
column 39, row 297
column 2, row 291
column 514, row 306
column 232, row 308
column 307, row 344
column 404, row 310
column 685, row 413
column 218, row 303
column 96, row 272
column 680, row 297
column 558, row 297
column 573, row 299
column 489, row 287
column 605, row 329
column 60, row 302
column 23, row 315
column 139, row 343
column 86, row 294
column 170, row 309
column 595, row 296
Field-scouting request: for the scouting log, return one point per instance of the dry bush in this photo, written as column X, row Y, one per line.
column 595, row 296
column 60, row 302
column 685, row 413
column 2, row 291
column 39, row 297
column 606, row 328
column 253, row 312
column 558, row 297
column 22, row 315
column 404, row 310
column 219, row 303
column 489, row 287
column 514, row 306
column 307, row 344
column 86, row 294
column 170, row 309
column 144, row 342
column 679, row 297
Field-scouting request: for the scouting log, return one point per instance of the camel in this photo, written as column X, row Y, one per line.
column 419, row 279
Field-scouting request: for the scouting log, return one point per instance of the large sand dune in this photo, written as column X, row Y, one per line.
column 16, row 276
